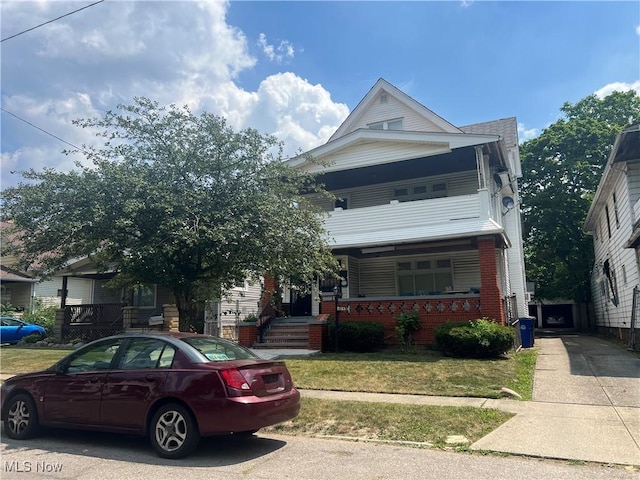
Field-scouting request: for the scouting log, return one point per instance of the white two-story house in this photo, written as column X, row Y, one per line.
column 614, row 222
column 427, row 215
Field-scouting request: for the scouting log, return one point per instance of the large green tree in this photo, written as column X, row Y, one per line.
column 176, row 199
column 561, row 171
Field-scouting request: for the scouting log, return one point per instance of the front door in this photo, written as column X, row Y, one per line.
column 300, row 305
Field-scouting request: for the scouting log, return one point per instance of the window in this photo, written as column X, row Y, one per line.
column 147, row 353
column 615, row 210
column 606, row 212
column 142, row 296
column 420, row 192
column 395, row 124
column 342, row 203
column 424, row 277
column 96, row 358
column 608, row 270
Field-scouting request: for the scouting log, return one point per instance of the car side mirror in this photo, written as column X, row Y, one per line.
column 60, row 369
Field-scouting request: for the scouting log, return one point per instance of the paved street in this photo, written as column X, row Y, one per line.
column 585, row 408
column 90, row 456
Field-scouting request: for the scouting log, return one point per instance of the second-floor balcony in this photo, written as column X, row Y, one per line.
column 407, row 222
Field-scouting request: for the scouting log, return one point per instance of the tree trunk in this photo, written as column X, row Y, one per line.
column 189, row 312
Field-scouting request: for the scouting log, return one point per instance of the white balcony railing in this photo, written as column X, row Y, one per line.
column 402, row 222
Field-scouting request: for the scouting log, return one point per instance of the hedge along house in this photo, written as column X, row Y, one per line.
column 614, row 222
column 427, row 216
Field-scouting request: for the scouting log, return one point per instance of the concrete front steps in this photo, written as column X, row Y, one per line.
column 286, row 332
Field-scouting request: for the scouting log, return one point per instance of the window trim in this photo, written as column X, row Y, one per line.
column 429, row 192
column 384, row 125
column 413, row 270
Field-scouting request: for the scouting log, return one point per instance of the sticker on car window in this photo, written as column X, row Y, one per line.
column 217, row 356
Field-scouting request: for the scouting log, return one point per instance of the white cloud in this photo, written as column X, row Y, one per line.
column 619, row 87
column 638, row 30
column 279, row 54
column 525, row 134
column 183, row 53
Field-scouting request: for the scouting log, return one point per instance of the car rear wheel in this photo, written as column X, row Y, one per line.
column 21, row 417
column 173, row 432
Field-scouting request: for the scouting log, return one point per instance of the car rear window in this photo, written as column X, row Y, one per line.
column 217, row 350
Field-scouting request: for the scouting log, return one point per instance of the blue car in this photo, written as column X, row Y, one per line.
column 12, row 330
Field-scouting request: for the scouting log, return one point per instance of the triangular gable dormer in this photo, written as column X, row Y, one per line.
column 386, row 107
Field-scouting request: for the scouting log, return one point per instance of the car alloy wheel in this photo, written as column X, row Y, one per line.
column 174, row 434
column 21, row 418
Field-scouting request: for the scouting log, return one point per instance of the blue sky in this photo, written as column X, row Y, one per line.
column 296, row 69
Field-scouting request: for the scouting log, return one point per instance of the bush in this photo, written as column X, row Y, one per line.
column 354, row 336
column 408, row 323
column 41, row 315
column 480, row 338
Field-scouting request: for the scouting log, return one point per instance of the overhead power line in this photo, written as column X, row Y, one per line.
column 43, row 130
column 51, row 21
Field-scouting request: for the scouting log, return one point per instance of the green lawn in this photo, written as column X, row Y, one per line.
column 426, row 373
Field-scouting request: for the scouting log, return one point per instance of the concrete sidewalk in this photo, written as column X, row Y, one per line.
column 586, row 404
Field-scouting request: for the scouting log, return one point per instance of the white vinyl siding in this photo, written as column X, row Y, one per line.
column 394, row 109
column 378, row 274
column 462, row 183
column 627, row 191
column 79, row 291
column 242, row 301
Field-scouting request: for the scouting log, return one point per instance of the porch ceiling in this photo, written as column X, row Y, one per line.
column 459, row 160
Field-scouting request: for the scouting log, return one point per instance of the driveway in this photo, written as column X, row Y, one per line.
column 586, row 404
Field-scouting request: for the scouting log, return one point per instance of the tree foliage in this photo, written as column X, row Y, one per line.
column 561, row 171
column 174, row 199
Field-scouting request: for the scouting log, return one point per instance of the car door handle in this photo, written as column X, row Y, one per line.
column 93, row 379
column 150, row 378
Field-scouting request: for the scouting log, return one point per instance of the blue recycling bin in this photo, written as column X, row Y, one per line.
column 526, row 331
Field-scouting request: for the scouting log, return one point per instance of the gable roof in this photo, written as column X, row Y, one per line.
column 382, row 86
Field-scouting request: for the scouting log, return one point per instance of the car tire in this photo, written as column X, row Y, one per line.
column 21, row 417
column 173, row 432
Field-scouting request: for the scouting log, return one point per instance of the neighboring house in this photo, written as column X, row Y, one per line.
column 85, row 296
column 16, row 288
column 427, row 216
column 614, row 222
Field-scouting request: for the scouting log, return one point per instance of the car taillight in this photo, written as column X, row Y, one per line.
column 236, row 383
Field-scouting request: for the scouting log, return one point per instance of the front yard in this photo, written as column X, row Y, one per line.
column 425, row 373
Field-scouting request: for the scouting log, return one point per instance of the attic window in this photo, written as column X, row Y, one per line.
column 395, row 124
column 384, row 98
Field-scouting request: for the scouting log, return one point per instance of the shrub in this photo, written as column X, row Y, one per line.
column 42, row 315
column 408, row 323
column 354, row 336
column 481, row 338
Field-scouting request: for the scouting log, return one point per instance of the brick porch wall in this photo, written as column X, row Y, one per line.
column 433, row 311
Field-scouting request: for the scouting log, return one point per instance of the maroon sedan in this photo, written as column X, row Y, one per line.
column 174, row 387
